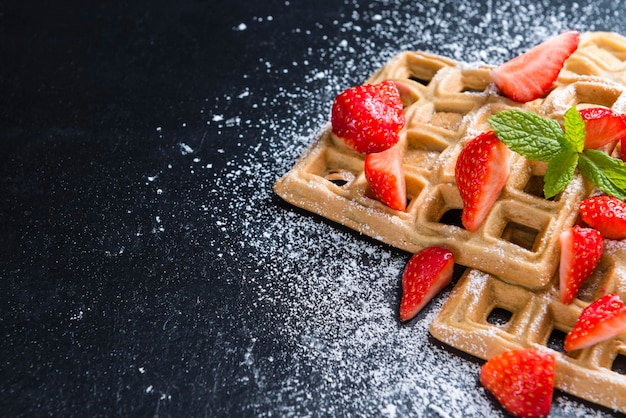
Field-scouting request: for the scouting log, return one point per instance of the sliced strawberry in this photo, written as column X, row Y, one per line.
column 602, row 320
column 425, row 275
column 385, row 175
column 521, row 380
column 606, row 214
column 369, row 117
column 581, row 249
column 530, row 75
column 481, row 171
column 602, row 126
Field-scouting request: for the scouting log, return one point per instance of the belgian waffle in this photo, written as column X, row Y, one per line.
column 484, row 316
column 514, row 255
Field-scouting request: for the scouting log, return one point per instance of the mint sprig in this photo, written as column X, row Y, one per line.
column 542, row 139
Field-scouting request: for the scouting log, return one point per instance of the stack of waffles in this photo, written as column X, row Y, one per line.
column 508, row 296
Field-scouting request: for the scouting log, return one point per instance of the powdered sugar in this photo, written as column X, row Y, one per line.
column 328, row 296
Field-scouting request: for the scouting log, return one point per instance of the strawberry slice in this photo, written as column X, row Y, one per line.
column 521, row 380
column 481, row 171
column 581, row 249
column 606, row 214
column 369, row 117
column 530, row 75
column 385, row 175
column 602, row 126
column 424, row 276
column 601, row 320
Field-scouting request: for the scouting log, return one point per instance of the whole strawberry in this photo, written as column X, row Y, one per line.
column 606, row 214
column 481, row 171
column 369, row 117
column 601, row 320
column 424, row 276
column 521, row 380
column 581, row 250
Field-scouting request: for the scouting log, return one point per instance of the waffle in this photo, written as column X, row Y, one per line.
column 484, row 316
column 513, row 257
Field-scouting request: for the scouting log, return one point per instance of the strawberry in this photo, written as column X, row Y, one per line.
column 424, row 276
column 602, row 126
column 385, row 175
column 522, row 381
column 581, row 249
column 601, row 320
column 481, row 171
column 530, row 75
column 369, row 117
column 606, row 214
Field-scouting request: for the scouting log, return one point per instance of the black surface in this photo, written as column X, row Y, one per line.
column 144, row 270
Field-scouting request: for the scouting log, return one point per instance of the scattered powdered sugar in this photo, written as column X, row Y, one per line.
column 324, row 298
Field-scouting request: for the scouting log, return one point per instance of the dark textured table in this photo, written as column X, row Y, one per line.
column 147, row 268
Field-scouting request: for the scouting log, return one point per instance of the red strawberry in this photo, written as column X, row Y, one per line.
column 481, row 171
column 602, row 126
column 602, row 320
column 530, row 75
column 606, row 214
column 385, row 175
column 425, row 275
column 581, row 249
column 368, row 118
column 521, row 380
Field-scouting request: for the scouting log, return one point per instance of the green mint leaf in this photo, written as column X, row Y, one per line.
column 596, row 166
column 560, row 173
column 617, row 175
column 528, row 134
column 574, row 130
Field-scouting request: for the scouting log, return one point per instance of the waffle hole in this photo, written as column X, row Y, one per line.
column 535, row 186
column 556, row 340
column 452, row 217
column 340, row 178
column 499, row 317
column 422, row 81
column 619, row 364
column 520, row 235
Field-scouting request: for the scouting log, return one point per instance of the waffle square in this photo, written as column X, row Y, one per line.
column 513, row 257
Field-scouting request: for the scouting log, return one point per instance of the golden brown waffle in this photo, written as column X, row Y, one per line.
column 484, row 316
column 514, row 255
column 446, row 104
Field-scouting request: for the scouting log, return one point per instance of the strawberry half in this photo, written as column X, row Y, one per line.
column 602, row 126
column 530, row 75
column 369, row 117
column 385, row 175
column 481, row 171
column 521, row 380
column 424, row 276
column 581, row 249
column 602, row 320
column 606, row 214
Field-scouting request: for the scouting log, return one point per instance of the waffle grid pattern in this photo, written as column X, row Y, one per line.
column 513, row 258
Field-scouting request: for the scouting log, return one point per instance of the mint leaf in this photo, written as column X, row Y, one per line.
column 528, row 134
column 594, row 166
column 574, row 130
column 560, row 173
column 542, row 139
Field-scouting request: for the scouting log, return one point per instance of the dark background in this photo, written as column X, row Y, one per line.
column 147, row 269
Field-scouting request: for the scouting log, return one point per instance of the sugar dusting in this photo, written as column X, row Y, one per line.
column 329, row 297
